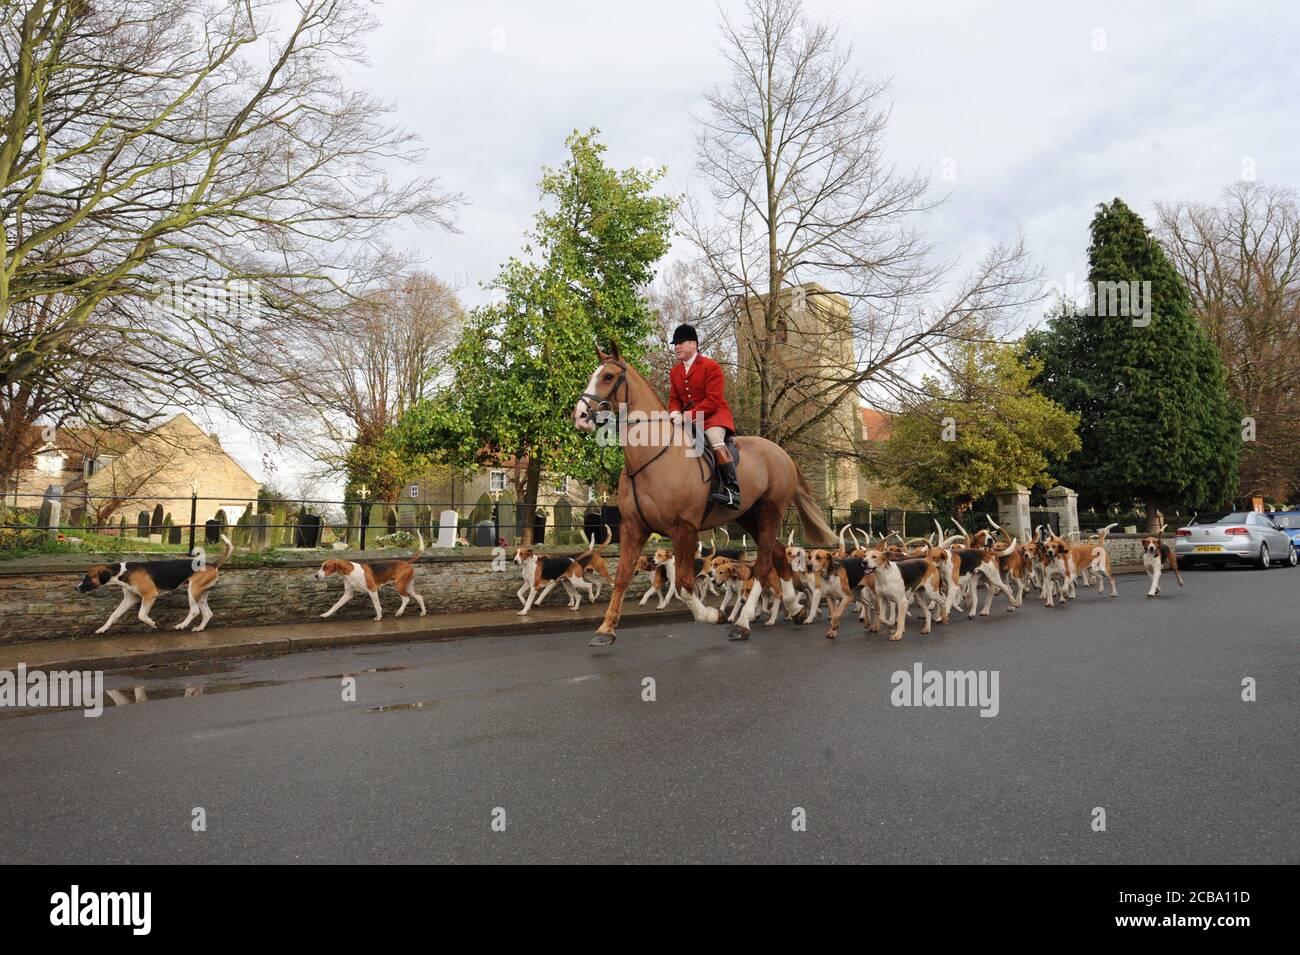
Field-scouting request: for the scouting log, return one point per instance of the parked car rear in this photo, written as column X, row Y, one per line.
column 1239, row 537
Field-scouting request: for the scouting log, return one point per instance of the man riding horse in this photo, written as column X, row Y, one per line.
column 696, row 387
column 663, row 488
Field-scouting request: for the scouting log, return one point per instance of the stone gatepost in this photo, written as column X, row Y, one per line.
column 1013, row 511
column 1064, row 503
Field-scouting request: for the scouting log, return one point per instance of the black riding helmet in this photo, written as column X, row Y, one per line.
column 685, row 333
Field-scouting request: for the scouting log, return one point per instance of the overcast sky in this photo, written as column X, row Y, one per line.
column 1044, row 109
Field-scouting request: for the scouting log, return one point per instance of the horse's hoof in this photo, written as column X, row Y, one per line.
column 602, row 640
column 738, row 633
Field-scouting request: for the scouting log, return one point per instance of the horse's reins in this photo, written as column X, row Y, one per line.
column 600, row 403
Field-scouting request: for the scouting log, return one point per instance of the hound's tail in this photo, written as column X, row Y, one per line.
column 230, row 549
column 416, row 556
column 816, row 531
column 1101, row 534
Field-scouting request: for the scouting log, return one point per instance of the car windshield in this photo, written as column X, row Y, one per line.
column 1288, row 521
column 1237, row 517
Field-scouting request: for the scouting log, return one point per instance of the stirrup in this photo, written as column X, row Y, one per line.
column 725, row 496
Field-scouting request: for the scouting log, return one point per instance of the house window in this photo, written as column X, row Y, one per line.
column 497, row 481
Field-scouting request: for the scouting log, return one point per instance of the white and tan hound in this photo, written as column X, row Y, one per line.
column 662, row 581
column 146, row 581
column 897, row 581
column 372, row 575
column 1154, row 553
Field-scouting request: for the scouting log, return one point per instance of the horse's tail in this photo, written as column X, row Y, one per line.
column 816, row 531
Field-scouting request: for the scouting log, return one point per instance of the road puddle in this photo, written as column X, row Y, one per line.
column 398, row 707
column 127, row 692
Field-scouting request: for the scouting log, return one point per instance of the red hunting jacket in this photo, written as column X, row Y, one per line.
column 700, row 392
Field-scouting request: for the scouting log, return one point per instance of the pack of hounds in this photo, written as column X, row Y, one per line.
column 883, row 580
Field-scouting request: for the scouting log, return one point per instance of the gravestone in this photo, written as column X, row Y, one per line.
column 447, row 526
column 377, row 522
column 307, row 533
column 563, row 530
column 260, row 526
column 483, row 534
column 52, row 510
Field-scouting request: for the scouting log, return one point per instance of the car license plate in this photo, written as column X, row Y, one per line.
column 1209, row 549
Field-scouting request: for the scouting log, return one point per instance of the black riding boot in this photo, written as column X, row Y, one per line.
column 728, row 492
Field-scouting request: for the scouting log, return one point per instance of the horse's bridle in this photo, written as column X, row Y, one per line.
column 595, row 404
column 587, row 398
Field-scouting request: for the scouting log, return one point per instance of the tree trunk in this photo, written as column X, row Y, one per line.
column 534, row 480
column 1154, row 517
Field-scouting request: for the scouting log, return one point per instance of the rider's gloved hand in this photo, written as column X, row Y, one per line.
column 675, row 417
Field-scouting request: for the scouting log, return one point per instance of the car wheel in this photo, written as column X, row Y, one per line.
column 1292, row 558
column 1263, row 557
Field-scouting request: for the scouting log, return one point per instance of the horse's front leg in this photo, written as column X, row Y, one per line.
column 633, row 538
column 684, row 537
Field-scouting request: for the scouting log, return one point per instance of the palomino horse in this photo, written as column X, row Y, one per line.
column 665, row 486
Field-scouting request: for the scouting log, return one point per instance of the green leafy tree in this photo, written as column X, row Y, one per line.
column 1158, row 425
column 523, row 360
column 982, row 429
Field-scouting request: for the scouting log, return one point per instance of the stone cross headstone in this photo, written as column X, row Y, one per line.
column 447, row 522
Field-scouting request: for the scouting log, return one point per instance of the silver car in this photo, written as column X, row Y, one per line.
column 1240, row 537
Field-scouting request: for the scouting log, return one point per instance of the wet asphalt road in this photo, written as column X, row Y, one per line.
column 1133, row 705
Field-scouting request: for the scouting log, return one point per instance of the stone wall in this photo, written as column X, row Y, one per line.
column 44, row 605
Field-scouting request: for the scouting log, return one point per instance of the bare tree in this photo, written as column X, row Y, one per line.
column 364, row 374
column 1240, row 259
column 792, row 151
column 185, row 187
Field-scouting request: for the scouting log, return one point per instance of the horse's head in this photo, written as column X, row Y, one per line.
column 602, row 387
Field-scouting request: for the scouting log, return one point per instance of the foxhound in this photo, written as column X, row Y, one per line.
column 839, row 579
column 774, row 588
column 897, row 581
column 542, row 573
column 1055, row 551
column 370, row 576
column 662, row 582
column 1154, row 553
column 1087, row 559
column 146, row 581
column 965, row 567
